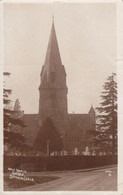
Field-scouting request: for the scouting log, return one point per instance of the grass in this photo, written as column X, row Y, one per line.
column 16, row 184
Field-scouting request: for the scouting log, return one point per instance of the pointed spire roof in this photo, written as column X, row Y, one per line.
column 91, row 109
column 53, row 58
column 53, row 68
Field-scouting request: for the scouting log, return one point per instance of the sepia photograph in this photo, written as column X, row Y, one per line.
column 60, row 96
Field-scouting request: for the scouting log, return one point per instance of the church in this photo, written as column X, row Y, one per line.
column 53, row 103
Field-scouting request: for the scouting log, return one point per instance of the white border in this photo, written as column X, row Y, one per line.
column 60, row 1
column 120, row 94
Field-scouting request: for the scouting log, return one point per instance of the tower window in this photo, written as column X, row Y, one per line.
column 53, row 77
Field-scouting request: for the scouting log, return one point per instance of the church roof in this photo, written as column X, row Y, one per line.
column 30, row 120
column 82, row 122
column 77, row 122
column 53, row 64
column 91, row 110
column 31, row 129
column 53, row 58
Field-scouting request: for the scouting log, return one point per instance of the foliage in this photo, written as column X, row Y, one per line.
column 14, row 139
column 107, row 113
column 57, row 163
column 11, row 138
column 48, row 134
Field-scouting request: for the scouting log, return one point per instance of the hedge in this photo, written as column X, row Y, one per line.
column 56, row 163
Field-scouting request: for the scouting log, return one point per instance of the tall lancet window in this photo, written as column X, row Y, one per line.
column 53, row 77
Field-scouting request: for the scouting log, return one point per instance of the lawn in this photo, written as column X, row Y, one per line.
column 16, row 184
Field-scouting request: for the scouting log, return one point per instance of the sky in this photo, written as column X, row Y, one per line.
column 86, row 34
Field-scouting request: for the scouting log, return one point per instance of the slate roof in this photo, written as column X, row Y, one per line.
column 53, row 57
column 53, row 64
column 31, row 129
column 77, row 122
column 30, row 119
column 82, row 122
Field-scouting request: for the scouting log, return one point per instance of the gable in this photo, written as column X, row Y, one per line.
column 31, row 129
column 80, row 122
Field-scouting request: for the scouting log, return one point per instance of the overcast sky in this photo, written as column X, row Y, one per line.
column 86, row 34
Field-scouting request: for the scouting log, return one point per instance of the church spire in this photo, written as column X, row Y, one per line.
column 92, row 114
column 91, row 109
column 52, row 59
column 53, row 72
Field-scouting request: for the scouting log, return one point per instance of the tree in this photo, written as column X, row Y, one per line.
column 107, row 113
column 12, row 139
column 18, row 115
column 17, row 105
column 48, row 138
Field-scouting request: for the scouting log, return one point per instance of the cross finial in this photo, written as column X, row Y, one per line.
column 53, row 17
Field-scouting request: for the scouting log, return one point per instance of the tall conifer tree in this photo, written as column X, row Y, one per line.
column 107, row 112
column 11, row 138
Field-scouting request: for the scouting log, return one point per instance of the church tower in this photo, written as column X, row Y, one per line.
column 53, row 90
